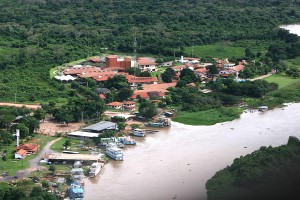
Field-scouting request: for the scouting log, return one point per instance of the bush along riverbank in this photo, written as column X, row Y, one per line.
column 268, row 173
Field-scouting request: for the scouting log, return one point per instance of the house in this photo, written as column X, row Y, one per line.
column 30, row 148
column 146, row 64
column 115, row 105
column 226, row 72
column 128, row 105
column 21, row 154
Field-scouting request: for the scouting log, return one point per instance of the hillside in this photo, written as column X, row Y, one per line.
column 36, row 35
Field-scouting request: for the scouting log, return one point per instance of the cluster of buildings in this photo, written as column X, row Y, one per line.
column 152, row 88
column 23, row 150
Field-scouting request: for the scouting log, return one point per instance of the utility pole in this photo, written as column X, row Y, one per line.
column 81, row 116
column 15, row 97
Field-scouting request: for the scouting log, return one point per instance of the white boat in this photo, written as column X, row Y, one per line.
column 95, row 169
column 114, row 153
column 77, row 176
column 138, row 132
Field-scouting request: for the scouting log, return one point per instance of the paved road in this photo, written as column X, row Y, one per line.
column 33, row 163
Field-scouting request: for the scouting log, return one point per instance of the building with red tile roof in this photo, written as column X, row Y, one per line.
column 21, row 154
column 146, row 64
column 115, row 105
column 31, row 148
column 95, row 59
column 146, row 80
column 81, row 70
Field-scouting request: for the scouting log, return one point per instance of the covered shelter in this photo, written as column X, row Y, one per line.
column 100, row 127
column 83, row 135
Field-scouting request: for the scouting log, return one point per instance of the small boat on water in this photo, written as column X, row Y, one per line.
column 127, row 141
column 75, row 192
column 138, row 132
column 162, row 122
column 95, row 169
column 114, row 153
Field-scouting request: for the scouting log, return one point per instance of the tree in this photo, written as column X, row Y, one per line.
column 40, row 114
column 147, row 109
column 31, row 122
column 67, row 144
column 167, row 75
column 124, row 94
column 188, row 75
column 212, row 70
column 117, row 82
column 52, row 168
column 181, row 84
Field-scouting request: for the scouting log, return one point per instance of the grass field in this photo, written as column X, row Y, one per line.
column 58, row 146
column 6, row 50
column 226, row 49
column 208, row 117
column 282, row 80
column 294, row 63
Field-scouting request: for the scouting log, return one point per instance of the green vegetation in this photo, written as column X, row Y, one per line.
column 11, row 165
column 221, row 50
column 59, row 145
column 208, row 117
column 268, row 173
column 282, row 80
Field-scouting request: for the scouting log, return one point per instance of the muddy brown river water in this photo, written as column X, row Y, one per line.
column 175, row 163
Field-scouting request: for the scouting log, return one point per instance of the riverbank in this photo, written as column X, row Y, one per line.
column 200, row 152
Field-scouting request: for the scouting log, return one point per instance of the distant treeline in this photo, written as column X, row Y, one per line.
column 38, row 35
column 268, row 173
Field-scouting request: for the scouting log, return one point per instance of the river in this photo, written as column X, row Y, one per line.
column 176, row 162
column 293, row 28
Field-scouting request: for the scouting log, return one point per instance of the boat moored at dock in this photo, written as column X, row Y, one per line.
column 95, row 169
column 75, row 192
column 114, row 153
column 138, row 132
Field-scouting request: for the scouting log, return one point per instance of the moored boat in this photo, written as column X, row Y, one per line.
column 95, row 169
column 127, row 141
column 75, row 192
column 114, row 153
column 138, row 132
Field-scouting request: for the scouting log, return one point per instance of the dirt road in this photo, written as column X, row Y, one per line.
column 33, row 106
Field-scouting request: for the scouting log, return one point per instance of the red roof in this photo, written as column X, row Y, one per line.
column 142, row 94
column 115, row 103
column 28, row 147
column 238, row 68
column 102, row 96
column 22, row 152
column 81, row 70
column 146, row 61
column 95, row 59
column 134, row 79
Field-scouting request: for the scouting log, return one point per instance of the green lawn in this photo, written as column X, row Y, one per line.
column 282, row 80
column 208, row 117
column 226, row 49
column 58, row 146
column 294, row 63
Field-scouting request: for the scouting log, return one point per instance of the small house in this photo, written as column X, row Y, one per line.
column 21, row 154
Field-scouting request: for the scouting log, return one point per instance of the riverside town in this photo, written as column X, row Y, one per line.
column 148, row 100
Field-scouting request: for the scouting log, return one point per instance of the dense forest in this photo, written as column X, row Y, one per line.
column 268, row 173
column 36, row 35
